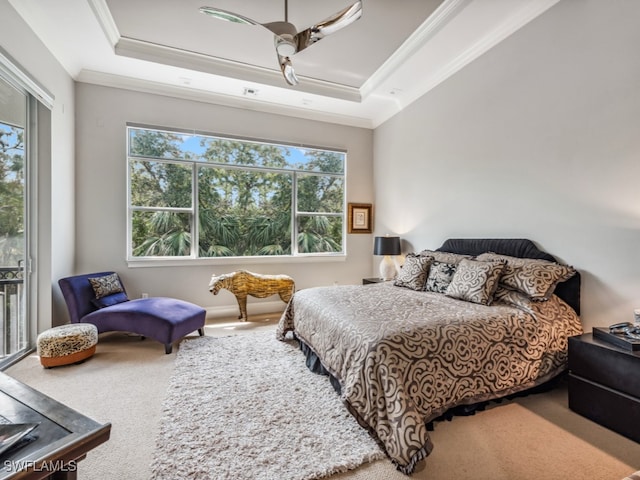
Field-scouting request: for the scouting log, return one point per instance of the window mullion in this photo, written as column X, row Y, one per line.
column 294, row 217
column 195, row 224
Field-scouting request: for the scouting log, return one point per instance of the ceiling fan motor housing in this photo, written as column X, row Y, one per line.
column 285, row 37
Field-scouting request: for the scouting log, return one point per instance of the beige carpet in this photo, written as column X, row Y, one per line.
column 534, row 437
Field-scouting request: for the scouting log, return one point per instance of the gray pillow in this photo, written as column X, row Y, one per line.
column 446, row 257
column 533, row 277
column 476, row 281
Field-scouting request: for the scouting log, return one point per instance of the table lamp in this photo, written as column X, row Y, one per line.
column 387, row 246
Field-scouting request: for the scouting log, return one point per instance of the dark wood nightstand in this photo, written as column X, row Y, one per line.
column 367, row 281
column 604, row 384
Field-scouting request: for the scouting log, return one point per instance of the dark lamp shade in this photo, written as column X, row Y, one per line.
column 386, row 246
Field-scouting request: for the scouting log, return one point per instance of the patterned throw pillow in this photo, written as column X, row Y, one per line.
column 103, row 286
column 535, row 278
column 476, row 281
column 514, row 298
column 413, row 273
column 439, row 277
column 446, row 257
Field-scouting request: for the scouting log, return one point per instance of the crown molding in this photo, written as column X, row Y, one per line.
column 142, row 50
column 478, row 48
column 186, row 93
column 105, row 19
column 443, row 15
column 432, row 25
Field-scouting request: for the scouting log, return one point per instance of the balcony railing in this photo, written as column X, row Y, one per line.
column 13, row 330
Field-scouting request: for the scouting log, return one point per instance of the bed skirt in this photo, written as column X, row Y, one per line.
column 315, row 365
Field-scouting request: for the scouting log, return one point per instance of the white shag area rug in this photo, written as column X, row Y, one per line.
column 247, row 407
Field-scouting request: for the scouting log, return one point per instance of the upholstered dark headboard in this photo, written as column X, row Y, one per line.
column 569, row 291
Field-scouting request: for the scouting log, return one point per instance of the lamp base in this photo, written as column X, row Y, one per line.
column 387, row 268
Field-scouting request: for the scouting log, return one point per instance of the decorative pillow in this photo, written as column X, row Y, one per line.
column 413, row 273
column 533, row 277
column 103, row 286
column 445, row 257
column 109, row 300
column 475, row 281
column 514, row 298
column 439, row 277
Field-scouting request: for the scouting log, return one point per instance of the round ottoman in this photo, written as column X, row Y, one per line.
column 67, row 344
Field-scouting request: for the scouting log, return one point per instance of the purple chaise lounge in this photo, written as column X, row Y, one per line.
column 163, row 319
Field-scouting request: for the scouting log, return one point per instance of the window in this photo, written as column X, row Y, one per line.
column 205, row 196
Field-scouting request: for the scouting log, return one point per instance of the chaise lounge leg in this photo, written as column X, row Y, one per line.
column 201, row 332
column 167, row 348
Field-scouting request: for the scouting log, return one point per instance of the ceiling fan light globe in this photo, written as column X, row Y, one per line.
column 286, row 49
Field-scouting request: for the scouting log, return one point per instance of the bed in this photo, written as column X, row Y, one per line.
column 448, row 332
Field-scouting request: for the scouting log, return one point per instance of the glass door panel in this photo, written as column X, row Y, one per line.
column 14, row 335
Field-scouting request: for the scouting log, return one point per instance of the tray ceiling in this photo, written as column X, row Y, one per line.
column 360, row 75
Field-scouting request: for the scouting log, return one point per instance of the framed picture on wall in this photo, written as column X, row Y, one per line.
column 359, row 218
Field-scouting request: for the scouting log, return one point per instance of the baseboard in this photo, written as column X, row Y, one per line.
column 259, row 308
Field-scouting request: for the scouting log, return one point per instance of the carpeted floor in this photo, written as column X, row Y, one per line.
column 535, row 437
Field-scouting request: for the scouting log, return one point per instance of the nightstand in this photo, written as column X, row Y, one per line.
column 367, row 281
column 604, row 384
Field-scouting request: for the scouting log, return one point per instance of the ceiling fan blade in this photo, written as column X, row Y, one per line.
column 287, row 70
column 284, row 31
column 227, row 16
column 328, row 26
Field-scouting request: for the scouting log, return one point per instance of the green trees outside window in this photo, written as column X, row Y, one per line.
column 200, row 196
column 12, row 185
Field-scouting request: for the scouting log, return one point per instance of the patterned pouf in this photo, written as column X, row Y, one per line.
column 67, row 344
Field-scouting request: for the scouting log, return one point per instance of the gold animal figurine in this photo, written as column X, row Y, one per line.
column 243, row 283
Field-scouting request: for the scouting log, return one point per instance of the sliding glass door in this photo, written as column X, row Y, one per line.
column 14, row 255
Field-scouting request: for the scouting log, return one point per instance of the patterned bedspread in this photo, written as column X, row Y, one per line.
column 404, row 357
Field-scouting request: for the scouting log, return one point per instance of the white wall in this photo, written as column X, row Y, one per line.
column 56, row 176
column 101, row 117
column 538, row 138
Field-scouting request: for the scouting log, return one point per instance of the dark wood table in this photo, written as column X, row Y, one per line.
column 63, row 437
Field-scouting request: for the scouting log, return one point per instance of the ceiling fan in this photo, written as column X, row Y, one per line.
column 288, row 41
